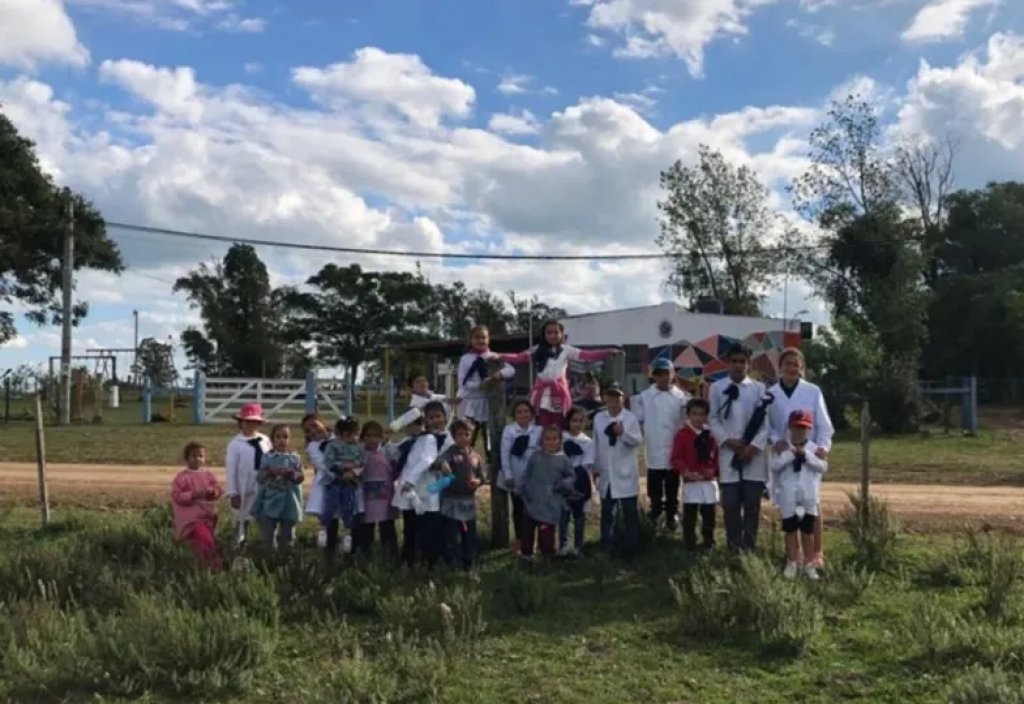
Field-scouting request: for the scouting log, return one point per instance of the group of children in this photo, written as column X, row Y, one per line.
column 711, row 451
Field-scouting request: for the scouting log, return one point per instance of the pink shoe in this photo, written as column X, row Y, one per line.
column 817, row 560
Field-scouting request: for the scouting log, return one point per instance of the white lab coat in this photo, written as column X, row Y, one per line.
column 798, row 493
column 416, row 404
column 661, row 414
column 472, row 396
column 417, row 472
column 617, row 467
column 751, row 393
column 315, row 502
column 513, row 468
column 240, row 472
column 806, row 397
column 586, row 460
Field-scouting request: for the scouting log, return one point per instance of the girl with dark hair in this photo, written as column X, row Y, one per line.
column 472, row 380
column 550, row 358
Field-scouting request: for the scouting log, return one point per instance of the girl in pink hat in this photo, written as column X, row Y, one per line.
column 242, row 461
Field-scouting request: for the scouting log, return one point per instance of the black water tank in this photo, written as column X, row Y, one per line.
column 706, row 304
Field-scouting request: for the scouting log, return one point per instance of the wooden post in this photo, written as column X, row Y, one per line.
column 497, row 415
column 865, row 455
column 44, row 492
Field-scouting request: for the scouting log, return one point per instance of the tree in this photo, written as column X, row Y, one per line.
column 33, row 220
column 925, row 171
column 533, row 310
column 200, row 352
column 717, row 226
column 155, row 361
column 244, row 318
column 843, row 360
column 869, row 267
column 352, row 314
column 979, row 284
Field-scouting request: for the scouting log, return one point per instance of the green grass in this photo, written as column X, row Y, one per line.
column 104, row 607
column 992, row 458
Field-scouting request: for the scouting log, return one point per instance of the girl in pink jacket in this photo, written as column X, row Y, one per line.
column 194, row 495
column 550, row 394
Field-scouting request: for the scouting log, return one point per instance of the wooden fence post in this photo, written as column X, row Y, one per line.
column 865, row 456
column 44, row 492
column 497, row 414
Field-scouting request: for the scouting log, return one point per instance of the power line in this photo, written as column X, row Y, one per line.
column 166, row 232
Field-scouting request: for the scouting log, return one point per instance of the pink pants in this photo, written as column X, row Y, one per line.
column 546, row 418
column 204, row 546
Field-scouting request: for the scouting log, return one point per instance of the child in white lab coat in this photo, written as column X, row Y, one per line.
column 617, row 438
column 797, row 472
column 242, row 461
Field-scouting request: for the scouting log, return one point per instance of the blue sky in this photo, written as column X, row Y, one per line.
column 514, row 125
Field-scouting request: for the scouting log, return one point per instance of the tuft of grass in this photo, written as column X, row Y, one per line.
column 987, row 686
column 873, row 532
column 1000, row 573
column 749, row 603
column 529, row 594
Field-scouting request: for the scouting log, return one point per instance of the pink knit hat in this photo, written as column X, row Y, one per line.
column 250, row 411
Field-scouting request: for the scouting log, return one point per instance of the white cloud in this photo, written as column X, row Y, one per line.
column 246, row 25
column 18, row 342
column 35, row 31
column 670, row 27
column 512, row 124
column 943, row 19
column 253, row 67
column 514, row 83
column 979, row 102
column 171, row 90
column 400, row 81
column 175, row 15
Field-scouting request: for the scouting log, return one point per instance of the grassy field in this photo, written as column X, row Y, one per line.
column 993, row 458
column 103, row 606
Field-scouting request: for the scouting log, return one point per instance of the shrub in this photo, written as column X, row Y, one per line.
column 844, row 585
column 984, row 686
column 873, row 532
column 1000, row 572
column 529, row 594
column 397, row 675
column 749, row 603
column 936, row 632
column 453, row 616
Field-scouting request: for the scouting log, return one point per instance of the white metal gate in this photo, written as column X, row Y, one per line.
column 282, row 399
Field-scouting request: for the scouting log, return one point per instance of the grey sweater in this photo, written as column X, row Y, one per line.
column 548, row 479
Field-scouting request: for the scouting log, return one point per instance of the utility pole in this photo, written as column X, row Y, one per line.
column 135, row 354
column 67, row 282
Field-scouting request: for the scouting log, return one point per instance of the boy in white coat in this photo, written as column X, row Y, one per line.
column 793, row 392
column 661, row 412
column 734, row 403
column 241, row 463
column 413, row 485
column 797, row 472
column 617, row 437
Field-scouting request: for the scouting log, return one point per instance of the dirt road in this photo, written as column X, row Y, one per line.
column 920, row 506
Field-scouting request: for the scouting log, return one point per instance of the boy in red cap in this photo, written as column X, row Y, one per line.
column 797, row 472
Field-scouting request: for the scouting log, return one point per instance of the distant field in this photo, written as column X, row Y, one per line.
column 993, row 458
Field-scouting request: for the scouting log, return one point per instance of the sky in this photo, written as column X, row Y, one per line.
column 509, row 126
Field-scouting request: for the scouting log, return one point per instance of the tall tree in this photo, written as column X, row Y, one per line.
column 155, row 361
column 352, row 314
column 979, row 284
column 718, row 227
column 869, row 267
column 33, row 217
column 456, row 308
column 242, row 314
column 532, row 310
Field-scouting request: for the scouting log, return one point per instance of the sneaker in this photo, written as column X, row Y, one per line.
column 818, row 560
column 346, row 544
column 567, row 550
column 321, row 538
column 791, row 570
column 517, row 548
column 671, row 524
column 812, row 573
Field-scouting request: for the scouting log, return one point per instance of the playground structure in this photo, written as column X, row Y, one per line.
column 92, row 390
column 963, row 391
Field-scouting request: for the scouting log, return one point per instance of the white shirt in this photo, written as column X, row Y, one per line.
column 472, row 395
column 617, row 467
column 798, row 492
column 416, row 404
column 417, row 472
column 513, row 468
column 661, row 413
column 586, row 460
column 732, row 428
column 240, row 471
column 806, row 397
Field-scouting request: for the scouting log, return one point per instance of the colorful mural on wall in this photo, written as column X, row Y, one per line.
column 705, row 361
